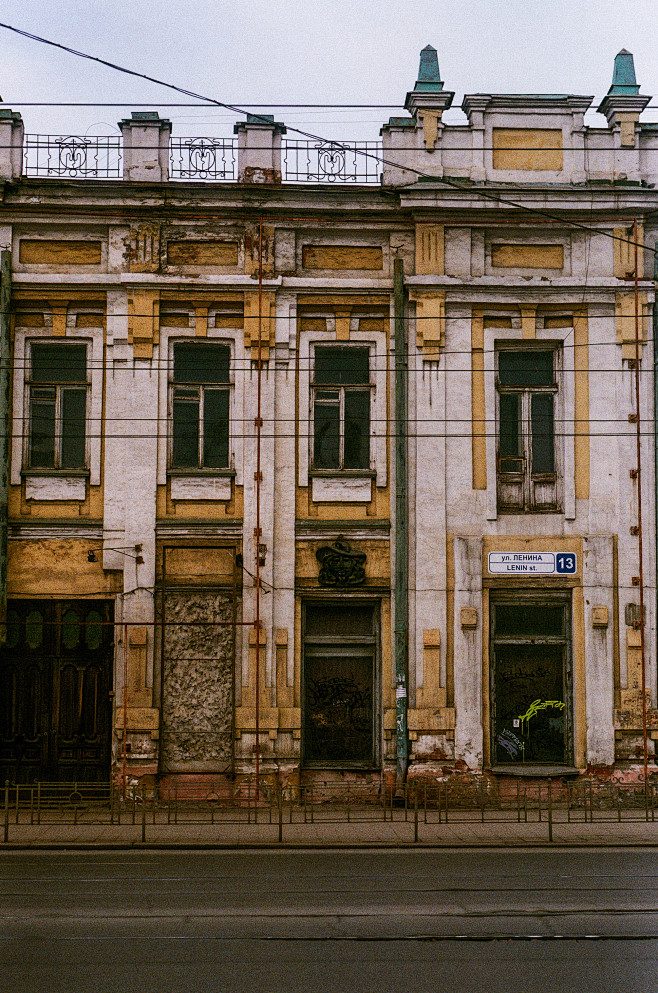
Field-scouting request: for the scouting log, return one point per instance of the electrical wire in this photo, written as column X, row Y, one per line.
column 474, row 190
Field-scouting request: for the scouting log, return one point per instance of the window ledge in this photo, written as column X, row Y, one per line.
column 56, row 473
column 343, row 473
column 201, row 473
column 534, row 771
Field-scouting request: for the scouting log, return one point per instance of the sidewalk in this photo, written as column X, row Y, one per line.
column 372, row 834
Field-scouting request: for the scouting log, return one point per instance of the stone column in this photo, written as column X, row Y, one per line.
column 145, row 147
column 474, row 106
column 259, row 149
column 12, row 133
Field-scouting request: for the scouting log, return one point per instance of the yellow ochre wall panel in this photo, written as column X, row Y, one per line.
column 531, row 149
column 430, row 249
column 342, row 257
column 202, row 253
column 58, row 567
column 478, row 412
column 51, row 252
column 505, row 256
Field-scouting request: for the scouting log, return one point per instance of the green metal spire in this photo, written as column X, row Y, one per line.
column 429, row 77
column 623, row 76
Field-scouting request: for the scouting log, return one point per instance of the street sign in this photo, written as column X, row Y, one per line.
column 532, row 563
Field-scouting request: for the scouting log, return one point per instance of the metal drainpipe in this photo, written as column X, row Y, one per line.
column 655, row 413
column 401, row 521
column 5, row 356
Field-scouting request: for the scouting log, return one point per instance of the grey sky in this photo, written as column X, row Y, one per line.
column 307, row 51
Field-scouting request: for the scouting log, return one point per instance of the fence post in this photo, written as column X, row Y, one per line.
column 550, row 811
column 591, row 815
column 280, row 797
column 143, row 793
column 415, row 812
column 6, row 836
column 39, row 802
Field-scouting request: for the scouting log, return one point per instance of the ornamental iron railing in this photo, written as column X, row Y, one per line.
column 202, row 158
column 73, row 156
column 332, row 162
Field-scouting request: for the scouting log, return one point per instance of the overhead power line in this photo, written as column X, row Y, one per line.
column 474, row 190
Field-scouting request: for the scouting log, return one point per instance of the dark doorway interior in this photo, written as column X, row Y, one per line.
column 531, row 681
column 55, row 682
column 339, row 678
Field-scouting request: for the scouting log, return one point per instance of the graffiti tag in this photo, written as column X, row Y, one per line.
column 535, row 707
column 507, row 740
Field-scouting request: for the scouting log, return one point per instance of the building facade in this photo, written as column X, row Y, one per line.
column 310, row 474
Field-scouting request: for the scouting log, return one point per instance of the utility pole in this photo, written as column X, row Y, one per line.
column 5, row 354
column 401, row 538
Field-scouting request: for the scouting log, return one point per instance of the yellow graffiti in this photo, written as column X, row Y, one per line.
column 535, row 707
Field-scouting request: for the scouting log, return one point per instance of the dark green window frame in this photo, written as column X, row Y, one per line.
column 57, row 401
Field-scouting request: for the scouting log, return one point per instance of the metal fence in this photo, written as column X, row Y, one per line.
column 202, row 158
column 332, row 162
column 469, row 800
column 73, row 156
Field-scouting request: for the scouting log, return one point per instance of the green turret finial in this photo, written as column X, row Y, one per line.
column 429, row 77
column 623, row 76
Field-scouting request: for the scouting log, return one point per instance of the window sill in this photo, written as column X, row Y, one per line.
column 56, row 484
column 56, row 473
column 523, row 512
column 334, row 487
column 343, row 473
column 201, row 473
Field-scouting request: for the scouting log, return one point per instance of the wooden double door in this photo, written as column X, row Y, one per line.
column 55, row 683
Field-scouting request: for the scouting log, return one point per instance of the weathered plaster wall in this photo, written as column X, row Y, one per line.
column 197, row 693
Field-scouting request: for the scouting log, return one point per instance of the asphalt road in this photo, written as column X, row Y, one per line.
column 363, row 922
